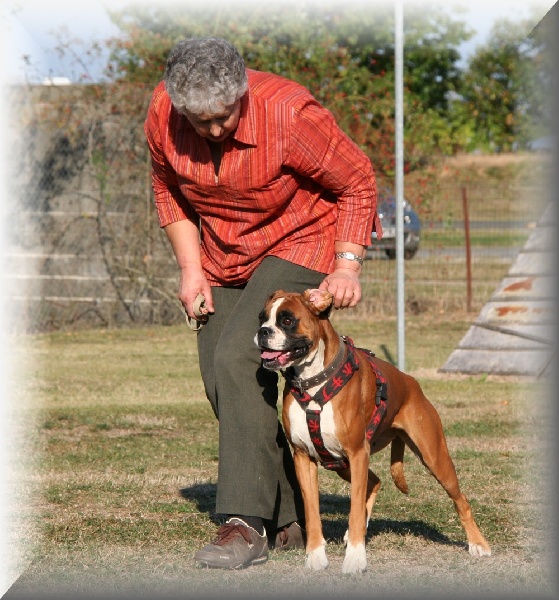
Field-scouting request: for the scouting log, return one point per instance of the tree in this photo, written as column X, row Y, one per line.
column 500, row 91
column 343, row 53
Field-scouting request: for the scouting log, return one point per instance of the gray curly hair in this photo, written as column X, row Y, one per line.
column 204, row 75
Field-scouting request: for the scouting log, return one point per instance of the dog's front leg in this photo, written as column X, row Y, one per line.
column 307, row 475
column 355, row 560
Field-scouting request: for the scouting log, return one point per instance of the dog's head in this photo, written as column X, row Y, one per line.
column 290, row 326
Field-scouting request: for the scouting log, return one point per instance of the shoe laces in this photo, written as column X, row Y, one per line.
column 229, row 531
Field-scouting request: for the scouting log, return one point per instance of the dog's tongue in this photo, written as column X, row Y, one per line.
column 271, row 354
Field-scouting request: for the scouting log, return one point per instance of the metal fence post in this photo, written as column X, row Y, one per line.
column 468, row 250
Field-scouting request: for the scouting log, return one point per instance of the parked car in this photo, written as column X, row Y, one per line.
column 386, row 208
column 543, row 144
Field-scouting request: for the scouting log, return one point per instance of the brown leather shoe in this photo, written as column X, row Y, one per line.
column 289, row 537
column 236, row 546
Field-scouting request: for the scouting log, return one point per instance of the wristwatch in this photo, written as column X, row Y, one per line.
column 349, row 256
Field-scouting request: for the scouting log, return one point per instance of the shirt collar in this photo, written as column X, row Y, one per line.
column 246, row 129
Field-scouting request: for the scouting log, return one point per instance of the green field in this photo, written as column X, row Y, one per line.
column 455, row 238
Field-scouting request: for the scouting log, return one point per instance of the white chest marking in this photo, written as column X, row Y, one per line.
column 300, row 436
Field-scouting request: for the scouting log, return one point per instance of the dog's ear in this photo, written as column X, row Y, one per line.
column 319, row 302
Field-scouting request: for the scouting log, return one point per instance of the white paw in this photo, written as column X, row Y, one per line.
column 355, row 560
column 478, row 550
column 316, row 560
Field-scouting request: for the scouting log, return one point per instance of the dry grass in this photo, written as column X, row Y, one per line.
column 121, row 468
column 115, row 449
column 506, row 187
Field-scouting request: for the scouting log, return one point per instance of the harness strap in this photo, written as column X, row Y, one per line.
column 326, row 459
column 381, row 398
column 332, row 386
column 335, row 381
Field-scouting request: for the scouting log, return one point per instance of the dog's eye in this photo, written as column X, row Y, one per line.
column 288, row 322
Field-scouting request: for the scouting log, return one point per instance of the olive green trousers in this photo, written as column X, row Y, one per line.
column 256, row 476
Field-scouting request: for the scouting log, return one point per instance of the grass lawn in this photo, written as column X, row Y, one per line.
column 117, row 464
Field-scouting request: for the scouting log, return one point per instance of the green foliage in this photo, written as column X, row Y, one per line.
column 344, row 54
column 501, row 91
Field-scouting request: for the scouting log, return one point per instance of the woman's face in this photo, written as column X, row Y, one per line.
column 216, row 127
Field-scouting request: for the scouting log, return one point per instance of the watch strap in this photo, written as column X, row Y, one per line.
column 349, row 256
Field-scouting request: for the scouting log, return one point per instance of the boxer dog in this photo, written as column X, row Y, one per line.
column 341, row 404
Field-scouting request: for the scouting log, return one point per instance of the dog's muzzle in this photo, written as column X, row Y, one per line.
column 279, row 359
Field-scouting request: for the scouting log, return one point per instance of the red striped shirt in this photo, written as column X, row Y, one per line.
column 290, row 182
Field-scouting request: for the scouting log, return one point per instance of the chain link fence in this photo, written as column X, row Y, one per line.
column 83, row 247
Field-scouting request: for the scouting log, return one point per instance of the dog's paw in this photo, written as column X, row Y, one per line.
column 478, row 550
column 317, row 560
column 355, row 560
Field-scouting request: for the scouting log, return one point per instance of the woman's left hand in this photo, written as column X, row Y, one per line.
column 344, row 285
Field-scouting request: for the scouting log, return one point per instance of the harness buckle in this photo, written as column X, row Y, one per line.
column 381, row 392
column 297, row 383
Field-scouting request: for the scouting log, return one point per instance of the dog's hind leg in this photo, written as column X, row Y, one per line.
column 373, row 487
column 307, row 475
column 429, row 444
column 397, row 464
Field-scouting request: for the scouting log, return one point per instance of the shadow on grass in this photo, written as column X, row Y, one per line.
column 203, row 496
column 334, row 527
column 334, row 530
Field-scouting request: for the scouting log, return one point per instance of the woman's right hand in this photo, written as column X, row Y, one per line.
column 184, row 238
column 192, row 284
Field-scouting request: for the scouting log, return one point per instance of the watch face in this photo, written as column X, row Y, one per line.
column 349, row 256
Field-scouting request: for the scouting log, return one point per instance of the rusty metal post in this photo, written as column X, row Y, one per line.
column 468, row 251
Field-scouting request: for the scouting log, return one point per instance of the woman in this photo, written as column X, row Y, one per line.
column 257, row 188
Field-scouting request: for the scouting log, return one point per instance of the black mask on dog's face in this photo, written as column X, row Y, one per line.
column 286, row 334
column 279, row 340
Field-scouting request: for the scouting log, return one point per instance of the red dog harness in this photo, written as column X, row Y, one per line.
column 336, row 375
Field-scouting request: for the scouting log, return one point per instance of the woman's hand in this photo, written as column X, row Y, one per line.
column 192, row 284
column 344, row 284
column 184, row 238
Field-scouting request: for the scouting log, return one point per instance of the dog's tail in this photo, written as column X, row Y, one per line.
column 397, row 464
